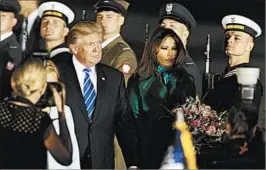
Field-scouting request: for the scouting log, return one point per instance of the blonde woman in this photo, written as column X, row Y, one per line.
column 53, row 76
column 26, row 131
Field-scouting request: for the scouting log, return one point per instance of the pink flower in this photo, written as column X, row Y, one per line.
column 217, row 124
column 202, row 120
column 211, row 130
column 204, row 127
column 186, row 110
column 195, row 123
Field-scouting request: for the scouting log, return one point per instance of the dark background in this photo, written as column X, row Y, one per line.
column 208, row 14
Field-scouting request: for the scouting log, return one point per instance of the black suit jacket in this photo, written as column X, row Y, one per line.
column 112, row 115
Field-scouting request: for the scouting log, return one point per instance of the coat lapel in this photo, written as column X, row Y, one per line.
column 73, row 86
column 155, row 88
column 3, row 44
column 33, row 30
column 101, row 86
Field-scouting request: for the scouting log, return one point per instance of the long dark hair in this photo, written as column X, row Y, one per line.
column 149, row 60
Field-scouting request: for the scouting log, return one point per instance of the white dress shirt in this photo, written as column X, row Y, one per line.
column 81, row 75
column 108, row 41
column 5, row 36
column 52, row 163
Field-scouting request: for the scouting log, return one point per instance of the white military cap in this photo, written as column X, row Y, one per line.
column 241, row 23
column 56, row 9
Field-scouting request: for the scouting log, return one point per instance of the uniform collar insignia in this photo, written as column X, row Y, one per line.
column 13, row 46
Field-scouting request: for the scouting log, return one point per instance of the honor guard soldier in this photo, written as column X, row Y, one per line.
column 176, row 17
column 10, row 50
column 240, row 33
column 116, row 52
column 55, row 18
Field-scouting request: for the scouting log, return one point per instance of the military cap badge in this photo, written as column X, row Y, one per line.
column 169, row 7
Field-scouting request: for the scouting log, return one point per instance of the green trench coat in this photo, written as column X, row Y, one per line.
column 150, row 99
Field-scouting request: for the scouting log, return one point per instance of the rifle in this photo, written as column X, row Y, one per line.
column 208, row 79
column 146, row 34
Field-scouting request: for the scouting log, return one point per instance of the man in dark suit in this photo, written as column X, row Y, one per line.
column 28, row 28
column 10, row 51
column 97, row 97
column 116, row 52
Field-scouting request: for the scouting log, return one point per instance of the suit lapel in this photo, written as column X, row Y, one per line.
column 101, row 86
column 74, row 88
column 35, row 42
column 3, row 44
column 35, row 27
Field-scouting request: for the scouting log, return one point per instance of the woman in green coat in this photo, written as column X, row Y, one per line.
column 159, row 84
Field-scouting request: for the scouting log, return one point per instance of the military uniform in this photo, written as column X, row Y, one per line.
column 181, row 15
column 119, row 55
column 10, row 51
column 194, row 73
column 61, row 52
column 34, row 41
column 226, row 92
column 13, row 49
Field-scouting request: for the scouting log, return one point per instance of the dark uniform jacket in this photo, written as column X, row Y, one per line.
column 194, row 72
column 117, row 54
column 226, row 92
column 111, row 115
column 151, row 100
column 10, row 57
column 35, row 41
column 13, row 48
column 228, row 156
column 60, row 53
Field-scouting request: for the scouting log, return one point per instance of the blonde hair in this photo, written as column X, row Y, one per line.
column 51, row 68
column 28, row 77
column 82, row 29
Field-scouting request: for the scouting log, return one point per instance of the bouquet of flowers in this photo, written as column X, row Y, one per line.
column 206, row 125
